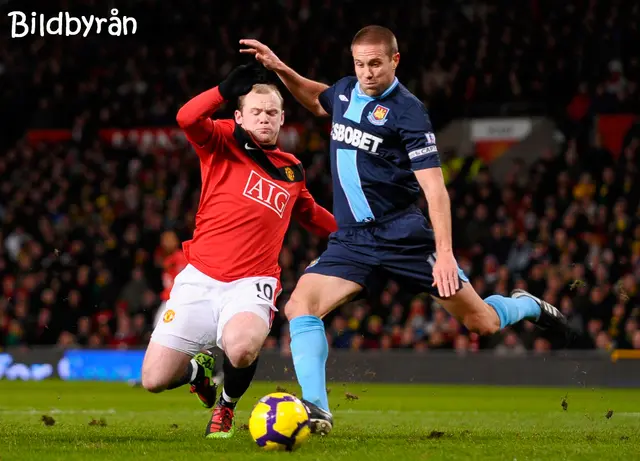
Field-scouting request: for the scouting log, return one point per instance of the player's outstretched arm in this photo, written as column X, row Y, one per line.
column 304, row 90
column 312, row 216
column 445, row 272
column 194, row 116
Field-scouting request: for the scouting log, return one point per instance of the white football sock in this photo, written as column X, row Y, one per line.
column 195, row 367
column 228, row 399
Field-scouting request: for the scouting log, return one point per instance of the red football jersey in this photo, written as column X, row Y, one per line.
column 172, row 266
column 245, row 204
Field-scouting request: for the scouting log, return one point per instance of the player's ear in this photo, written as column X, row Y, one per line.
column 395, row 59
column 238, row 116
column 282, row 118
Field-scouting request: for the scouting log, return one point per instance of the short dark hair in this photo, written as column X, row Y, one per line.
column 374, row 35
column 262, row 88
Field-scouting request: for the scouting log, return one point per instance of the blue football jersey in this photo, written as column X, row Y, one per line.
column 376, row 145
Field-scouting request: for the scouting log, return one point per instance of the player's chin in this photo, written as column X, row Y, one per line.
column 371, row 88
column 264, row 136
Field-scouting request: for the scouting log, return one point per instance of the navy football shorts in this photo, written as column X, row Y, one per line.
column 400, row 247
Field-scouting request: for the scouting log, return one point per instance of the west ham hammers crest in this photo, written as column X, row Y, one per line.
column 378, row 116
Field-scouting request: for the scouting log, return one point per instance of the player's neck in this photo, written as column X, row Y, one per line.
column 268, row 146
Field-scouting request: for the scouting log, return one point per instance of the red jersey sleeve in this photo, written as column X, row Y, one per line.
column 312, row 216
column 194, row 118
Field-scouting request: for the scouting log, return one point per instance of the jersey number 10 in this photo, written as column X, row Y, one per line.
column 265, row 291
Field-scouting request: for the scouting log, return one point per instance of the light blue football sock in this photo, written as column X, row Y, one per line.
column 310, row 350
column 512, row 310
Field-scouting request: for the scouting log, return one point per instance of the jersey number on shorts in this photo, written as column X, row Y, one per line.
column 265, row 291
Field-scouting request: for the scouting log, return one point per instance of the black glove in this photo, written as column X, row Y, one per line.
column 241, row 79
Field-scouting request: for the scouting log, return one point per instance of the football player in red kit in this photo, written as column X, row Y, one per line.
column 226, row 295
column 171, row 257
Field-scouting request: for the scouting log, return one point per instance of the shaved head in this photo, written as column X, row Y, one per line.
column 376, row 35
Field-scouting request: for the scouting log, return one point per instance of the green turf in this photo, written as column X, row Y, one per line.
column 384, row 423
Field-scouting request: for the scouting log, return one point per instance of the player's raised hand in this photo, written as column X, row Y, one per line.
column 241, row 79
column 262, row 53
column 445, row 274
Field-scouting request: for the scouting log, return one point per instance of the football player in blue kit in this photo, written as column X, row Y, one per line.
column 383, row 152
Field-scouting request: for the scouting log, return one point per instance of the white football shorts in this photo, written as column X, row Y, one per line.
column 199, row 307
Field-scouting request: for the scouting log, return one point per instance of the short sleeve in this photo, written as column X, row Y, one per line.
column 326, row 99
column 418, row 139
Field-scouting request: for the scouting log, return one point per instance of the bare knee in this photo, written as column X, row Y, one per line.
column 153, row 382
column 243, row 337
column 241, row 354
column 298, row 306
column 161, row 365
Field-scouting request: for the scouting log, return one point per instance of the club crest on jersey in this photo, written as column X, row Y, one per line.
column 290, row 174
column 267, row 193
column 378, row 116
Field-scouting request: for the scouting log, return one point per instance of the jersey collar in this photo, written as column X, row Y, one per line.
column 258, row 153
column 362, row 95
column 244, row 138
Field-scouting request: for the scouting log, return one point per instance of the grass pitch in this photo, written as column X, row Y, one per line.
column 53, row 420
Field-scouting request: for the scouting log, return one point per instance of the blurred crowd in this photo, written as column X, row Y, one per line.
column 90, row 231
column 462, row 57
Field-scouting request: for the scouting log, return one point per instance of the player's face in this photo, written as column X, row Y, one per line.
column 375, row 69
column 262, row 116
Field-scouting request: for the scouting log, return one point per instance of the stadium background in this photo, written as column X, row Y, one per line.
column 94, row 172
